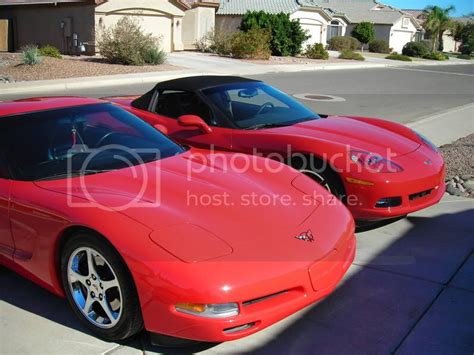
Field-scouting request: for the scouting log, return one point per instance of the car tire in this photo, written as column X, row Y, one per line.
column 323, row 175
column 104, row 299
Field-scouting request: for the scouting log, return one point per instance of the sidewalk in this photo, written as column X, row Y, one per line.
column 203, row 64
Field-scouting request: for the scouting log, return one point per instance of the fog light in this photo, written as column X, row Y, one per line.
column 221, row 310
column 389, row 202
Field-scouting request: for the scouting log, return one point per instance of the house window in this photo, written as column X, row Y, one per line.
column 405, row 22
column 334, row 29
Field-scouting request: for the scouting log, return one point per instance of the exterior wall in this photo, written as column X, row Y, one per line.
column 229, row 24
column 314, row 23
column 42, row 24
column 158, row 17
column 449, row 44
column 197, row 22
column 401, row 35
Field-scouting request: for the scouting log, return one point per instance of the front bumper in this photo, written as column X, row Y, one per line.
column 305, row 286
column 418, row 187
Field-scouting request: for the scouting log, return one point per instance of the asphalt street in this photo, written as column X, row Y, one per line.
column 399, row 94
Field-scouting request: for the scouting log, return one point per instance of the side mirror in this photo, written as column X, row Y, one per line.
column 194, row 121
column 161, row 128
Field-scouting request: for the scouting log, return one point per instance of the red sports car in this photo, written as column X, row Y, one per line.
column 380, row 169
column 140, row 232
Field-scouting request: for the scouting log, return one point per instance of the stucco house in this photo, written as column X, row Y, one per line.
column 326, row 18
column 321, row 22
column 69, row 24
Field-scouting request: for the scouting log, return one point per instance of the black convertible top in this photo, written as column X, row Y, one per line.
column 191, row 83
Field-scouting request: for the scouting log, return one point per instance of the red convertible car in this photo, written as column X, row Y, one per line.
column 100, row 207
column 380, row 169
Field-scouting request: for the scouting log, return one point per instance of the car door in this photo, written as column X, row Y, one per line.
column 169, row 105
column 7, row 246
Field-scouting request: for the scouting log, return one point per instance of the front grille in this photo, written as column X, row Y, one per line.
column 239, row 328
column 420, row 194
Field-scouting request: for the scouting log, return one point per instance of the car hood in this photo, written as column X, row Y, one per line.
column 212, row 213
column 354, row 133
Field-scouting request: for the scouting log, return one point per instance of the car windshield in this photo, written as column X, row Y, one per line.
column 255, row 105
column 79, row 140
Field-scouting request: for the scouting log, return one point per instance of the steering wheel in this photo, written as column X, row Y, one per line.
column 107, row 135
column 266, row 105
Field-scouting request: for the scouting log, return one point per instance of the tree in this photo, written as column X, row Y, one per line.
column 287, row 36
column 437, row 22
column 364, row 32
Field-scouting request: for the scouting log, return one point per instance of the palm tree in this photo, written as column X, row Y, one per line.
column 437, row 22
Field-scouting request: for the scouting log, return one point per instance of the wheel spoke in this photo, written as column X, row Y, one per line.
column 90, row 263
column 110, row 284
column 87, row 306
column 74, row 276
column 105, row 306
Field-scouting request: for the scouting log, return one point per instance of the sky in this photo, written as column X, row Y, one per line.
column 463, row 7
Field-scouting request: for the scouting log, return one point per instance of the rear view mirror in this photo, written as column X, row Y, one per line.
column 248, row 93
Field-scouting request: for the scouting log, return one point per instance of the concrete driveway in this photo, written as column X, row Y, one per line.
column 410, row 290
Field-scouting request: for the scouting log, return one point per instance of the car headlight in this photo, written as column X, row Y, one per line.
column 427, row 142
column 222, row 310
column 374, row 162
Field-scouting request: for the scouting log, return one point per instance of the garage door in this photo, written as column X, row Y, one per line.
column 158, row 26
column 399, row 39
column 314, row 30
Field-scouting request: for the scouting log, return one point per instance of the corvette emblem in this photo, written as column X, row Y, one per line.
column 306, row 236
column 428, row 162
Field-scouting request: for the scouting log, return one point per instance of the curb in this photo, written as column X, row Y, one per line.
column 153, row 77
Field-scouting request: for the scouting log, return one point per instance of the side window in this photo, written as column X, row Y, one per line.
column 3, row 169
column 175, row 103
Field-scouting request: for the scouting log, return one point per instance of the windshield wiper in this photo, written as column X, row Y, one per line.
column 74, row 173
column 267, row 125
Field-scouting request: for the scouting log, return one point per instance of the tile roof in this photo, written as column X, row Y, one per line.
column 355, row 10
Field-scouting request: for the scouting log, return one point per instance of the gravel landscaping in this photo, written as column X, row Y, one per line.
column 11, row 68
column 459, row 157
column 294, row 60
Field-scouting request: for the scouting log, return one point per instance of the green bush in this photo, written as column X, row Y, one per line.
column 316, row 51
column 154, row 56
column 125, row 43
column 415, row 49
column 341, row 43
column 286, row 35
column 30, row 55
column 253, row 44
column 464, row 56
column 50, row 51
column 379, row 46
column 436, row 56
column 364, row 32
column 396, row 56
column 348, row 54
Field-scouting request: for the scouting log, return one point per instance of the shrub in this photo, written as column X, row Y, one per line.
column 316, row 51
column 436, row 56
column 30, row 55
column 396, row 56
column 154, row 56
column 348, row 54
column 126, row 44
column 464, row 56
column 341, row 43
column 286, row 35
column 415, row 49
column 254, row 44
column 379, row 46
column 466, row 36
column 50, row 51
column 364, row 32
